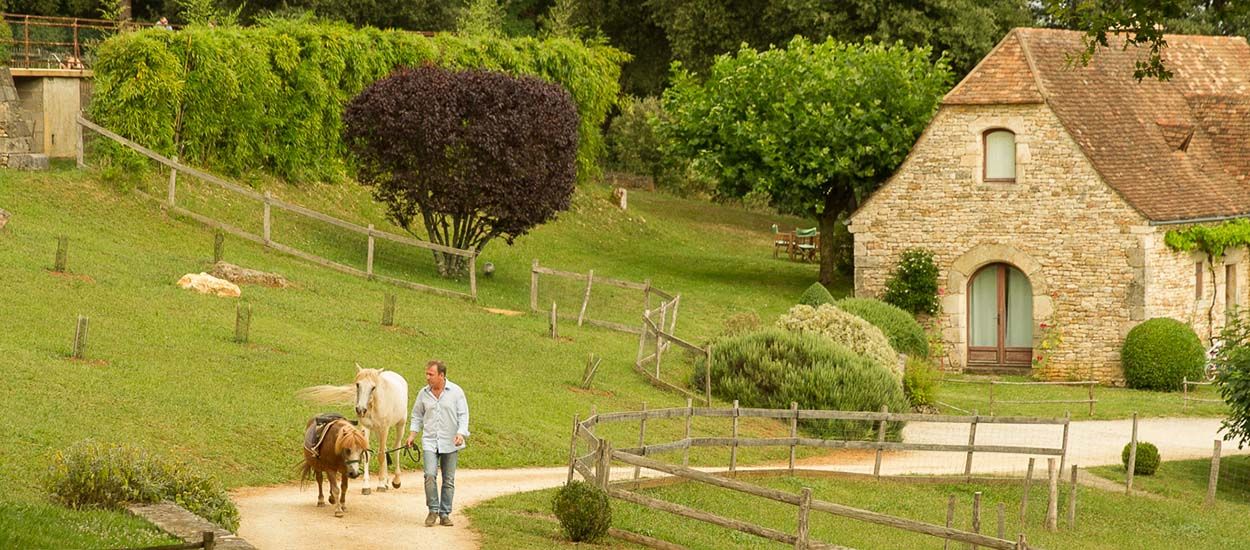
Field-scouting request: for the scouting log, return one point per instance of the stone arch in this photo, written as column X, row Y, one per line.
column 966, row 265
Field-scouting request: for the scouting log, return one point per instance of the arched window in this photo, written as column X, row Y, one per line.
column 1000, row 156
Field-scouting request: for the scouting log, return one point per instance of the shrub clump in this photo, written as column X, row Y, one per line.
column 913, row 284
column 905, row 334
column 920, row 382
column 1159, row 353
column 816, row 295
column 108, row 475
column 773, row 368
column 584, row 511
column 845, row 329
column 1147, row 458
column 742, row 323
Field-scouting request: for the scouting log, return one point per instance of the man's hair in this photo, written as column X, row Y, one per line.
column 442, row 367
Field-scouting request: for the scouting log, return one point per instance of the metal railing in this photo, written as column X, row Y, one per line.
column 38, row 41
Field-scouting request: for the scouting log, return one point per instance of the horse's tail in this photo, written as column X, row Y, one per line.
column 328, row 395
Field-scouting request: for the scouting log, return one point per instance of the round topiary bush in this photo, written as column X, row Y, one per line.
column 1147, row 458
column 856, row 334
column 905, row 334
column 815, row 295
column 108, row 475
column 774, row 367
column 584, row 511
column 1158, row 354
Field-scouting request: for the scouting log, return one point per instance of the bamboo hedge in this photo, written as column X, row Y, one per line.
column 270, row 98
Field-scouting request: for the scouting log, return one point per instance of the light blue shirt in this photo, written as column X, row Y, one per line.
column 439, row 419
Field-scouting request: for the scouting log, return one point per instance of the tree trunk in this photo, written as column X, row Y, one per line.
column 835, row 204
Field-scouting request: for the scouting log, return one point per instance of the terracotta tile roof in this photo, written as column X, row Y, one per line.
column 1174, row 150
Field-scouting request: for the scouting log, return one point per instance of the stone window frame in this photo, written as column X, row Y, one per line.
column 975, row 152
column 985, row 155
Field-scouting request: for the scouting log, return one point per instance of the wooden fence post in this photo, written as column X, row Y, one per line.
column 173, row 184
column 62, row 254
column 794, row 431
column 976, row 515
column 1071, row 501
column 646, row 293
column 1185, row 392
column 672, row 323
column 78, row 148
column 242, row 322
column 554, row 334
column 685, row 454
column 642, row 337
column 733, row 450
column 659, row 343
column 950, row 518
column 972, row 441
column 876, row 467
column 473, row 273
column 1132, row 459
column 1063, row 457
column 590, row 280
column 642, row 442
column 707, row 378
column 605, row 461
column 1214, row 479
column 534, row 286
column 573, row 449
column 388, row 310
column 1024, row 495
column 369, row 254
column 1052, row 501
column 1091, row 398
column 991, row 398
column 805, row 505
column 80, row 338
column 219, row 246
column 268, row 221
column 209, row 540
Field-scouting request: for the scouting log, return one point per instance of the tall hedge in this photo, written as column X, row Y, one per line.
column 271, row 97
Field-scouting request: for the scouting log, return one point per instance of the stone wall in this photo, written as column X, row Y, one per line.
column 1079, row 243
column 1171, row 282
column 15, row 131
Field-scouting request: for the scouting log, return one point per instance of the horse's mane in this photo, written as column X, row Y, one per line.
column 373, row 375
column 349, row 437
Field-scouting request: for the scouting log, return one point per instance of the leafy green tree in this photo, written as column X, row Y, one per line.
column 1232, row 362
column 816, row 126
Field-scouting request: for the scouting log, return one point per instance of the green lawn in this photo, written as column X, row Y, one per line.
column 1187, row 480
column 1111, row 403
column 1105, row 520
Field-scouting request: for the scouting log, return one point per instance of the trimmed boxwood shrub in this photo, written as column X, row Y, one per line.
column 815, row 295
column 905, row 334
column 584, row 511
column 856, row 334
column 774, row 367
column 1147, row 458
column 109, row 475
column 1158, row 354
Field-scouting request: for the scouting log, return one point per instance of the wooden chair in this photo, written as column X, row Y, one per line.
column 782, row 240
column 806, row 245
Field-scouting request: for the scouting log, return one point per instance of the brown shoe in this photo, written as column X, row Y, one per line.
column 445, row 520
column 430, row 519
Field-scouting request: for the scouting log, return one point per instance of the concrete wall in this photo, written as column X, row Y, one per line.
column 51, row 104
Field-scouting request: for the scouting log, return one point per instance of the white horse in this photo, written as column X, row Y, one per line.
column 381, row 399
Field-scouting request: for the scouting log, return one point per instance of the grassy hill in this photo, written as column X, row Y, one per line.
column 162, row 371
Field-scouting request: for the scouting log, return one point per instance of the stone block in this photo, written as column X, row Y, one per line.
column 15, row 145
column 28, row 161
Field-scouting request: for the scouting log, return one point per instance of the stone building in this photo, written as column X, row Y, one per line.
column 1045, row 191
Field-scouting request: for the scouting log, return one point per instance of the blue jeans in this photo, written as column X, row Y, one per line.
column 447, row 461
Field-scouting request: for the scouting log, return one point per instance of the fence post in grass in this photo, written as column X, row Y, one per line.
column 473, row 272
column 1132, row 459
column 1214, row 479
column 642, row 337
column 1063, row 457
column 1091, row 398
column 209, row 540
column 794, row 431
column 1071, row 501
column 534, row 286
column 62, row 254
column 590, row 280
column 242, row 322
column 554, row 334
column 605, row 464
column 685, row 454
column 219, row 246
column 573, row 448
column 268, row 221
column 1052, row 500
column 1024, row 495
column 1002, row 520
column 991, row 398
column 733, row 449
column 1022, row 543
column 707, row 378
column 805, row 506
column 976, row 516
column 388, row 310
column 950, row 518
column 78, row 148
column 80, row 338
column 642, row 442
column 876, row 467
column 369, row 253
column 173, row 184
column 646, row 293
column 659, row 343
column 972, row 441
column 1185, row 392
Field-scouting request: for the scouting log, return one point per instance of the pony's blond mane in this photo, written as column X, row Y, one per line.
column 350, row 438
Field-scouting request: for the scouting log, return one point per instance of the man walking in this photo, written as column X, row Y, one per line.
column 441, row 415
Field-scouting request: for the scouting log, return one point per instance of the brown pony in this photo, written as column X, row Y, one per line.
column 338, row 453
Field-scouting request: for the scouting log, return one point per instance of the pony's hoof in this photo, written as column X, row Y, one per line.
column 383, row 488
column 366, row 491
column 321, row 504
column 332, row 500
column 395, row 483
column 338, row 513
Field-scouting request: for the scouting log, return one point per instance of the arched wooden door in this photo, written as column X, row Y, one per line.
column 1000, row 318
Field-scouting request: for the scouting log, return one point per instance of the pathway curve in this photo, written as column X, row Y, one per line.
column 284, row 516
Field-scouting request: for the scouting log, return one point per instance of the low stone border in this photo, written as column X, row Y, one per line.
column 179, row 522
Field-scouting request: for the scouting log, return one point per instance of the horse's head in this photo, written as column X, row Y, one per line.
column 351, row 446
column 366, row 384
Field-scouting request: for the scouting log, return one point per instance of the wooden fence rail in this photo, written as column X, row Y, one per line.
column 653, row 332
column 592, row 280
column 1186, row 399
column 269, row 202
column 1090, row 384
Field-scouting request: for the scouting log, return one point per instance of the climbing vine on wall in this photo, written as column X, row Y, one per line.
column 1212, row 240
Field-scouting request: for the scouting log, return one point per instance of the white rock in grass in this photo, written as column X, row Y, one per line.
column 208, row 284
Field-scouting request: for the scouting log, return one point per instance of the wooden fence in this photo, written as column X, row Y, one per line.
column 1185, row 398
column 1090, row 384
column 653, row 332
column 269, row 203
column 595, row 466
column 582, row 318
